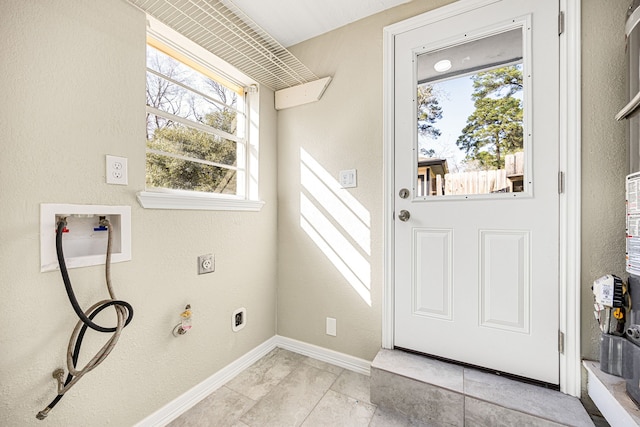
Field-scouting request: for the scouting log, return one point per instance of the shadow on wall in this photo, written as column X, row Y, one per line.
column 337, row 223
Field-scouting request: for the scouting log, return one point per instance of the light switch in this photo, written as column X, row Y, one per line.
column 348, row 178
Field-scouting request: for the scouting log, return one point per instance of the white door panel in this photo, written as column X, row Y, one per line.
column 432, row 280
column 476, row 275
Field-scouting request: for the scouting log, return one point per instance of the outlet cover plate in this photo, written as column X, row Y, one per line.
column 116, row 170
column 206, row 264
column 331, row 326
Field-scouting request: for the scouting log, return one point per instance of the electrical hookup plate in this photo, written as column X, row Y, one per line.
column 84, row 241
column 206, row 264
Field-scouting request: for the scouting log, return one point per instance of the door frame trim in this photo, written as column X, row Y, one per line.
column 570, row 165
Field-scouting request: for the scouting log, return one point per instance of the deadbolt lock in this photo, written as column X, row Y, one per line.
column 404, row 193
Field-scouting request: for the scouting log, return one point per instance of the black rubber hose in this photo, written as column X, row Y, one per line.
column 72, row 297
column 76, row 352
column 86, row 320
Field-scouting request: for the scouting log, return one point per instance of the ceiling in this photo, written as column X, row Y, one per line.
column 293, row 21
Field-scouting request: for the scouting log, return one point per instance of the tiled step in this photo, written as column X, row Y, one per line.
column 435, row 393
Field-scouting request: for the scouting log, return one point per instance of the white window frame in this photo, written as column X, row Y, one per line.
column 247, row 198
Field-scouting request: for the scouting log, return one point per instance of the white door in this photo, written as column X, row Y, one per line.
column 476, row 232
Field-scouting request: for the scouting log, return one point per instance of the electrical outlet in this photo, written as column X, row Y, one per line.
column 206, row 264
column 116, row 170
column 238, row 319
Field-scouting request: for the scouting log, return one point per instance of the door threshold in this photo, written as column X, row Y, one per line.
column 508, row 375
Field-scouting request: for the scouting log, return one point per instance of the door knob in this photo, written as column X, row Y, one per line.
column 404, row 216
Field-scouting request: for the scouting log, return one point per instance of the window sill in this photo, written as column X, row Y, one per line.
column 157, row 200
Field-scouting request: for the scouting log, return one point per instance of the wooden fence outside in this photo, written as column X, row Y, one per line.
column 483, row 182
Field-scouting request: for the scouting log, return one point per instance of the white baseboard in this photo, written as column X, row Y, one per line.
column 190, row 398
column 342, row 360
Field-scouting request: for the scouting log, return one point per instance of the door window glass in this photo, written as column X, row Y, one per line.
column 471, row 118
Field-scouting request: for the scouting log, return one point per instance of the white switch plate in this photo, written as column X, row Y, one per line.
column 331, row 326
column 116, row 170
column 348, row 178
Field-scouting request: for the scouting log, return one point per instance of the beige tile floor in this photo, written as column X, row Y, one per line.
column 288, row 389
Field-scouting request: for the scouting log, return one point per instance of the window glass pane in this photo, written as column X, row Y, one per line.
column 184, row 92
column 179, row 174
column 470, row 118
column 175, row 138
column 194, row 125
column 181, row 73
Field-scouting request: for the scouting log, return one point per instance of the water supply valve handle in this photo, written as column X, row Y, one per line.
column 185, row 324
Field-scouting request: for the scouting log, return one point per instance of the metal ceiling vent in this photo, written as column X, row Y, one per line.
column 227, row 32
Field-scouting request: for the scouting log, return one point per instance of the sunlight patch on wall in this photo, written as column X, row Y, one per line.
column 337, row 223
column 332, row 184
column 351, row 224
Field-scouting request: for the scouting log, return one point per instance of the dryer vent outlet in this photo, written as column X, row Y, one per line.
column 239, row 319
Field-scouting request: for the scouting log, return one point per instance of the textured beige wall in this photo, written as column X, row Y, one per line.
column 342, row 131
column 604, row 153
column 72, row 89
